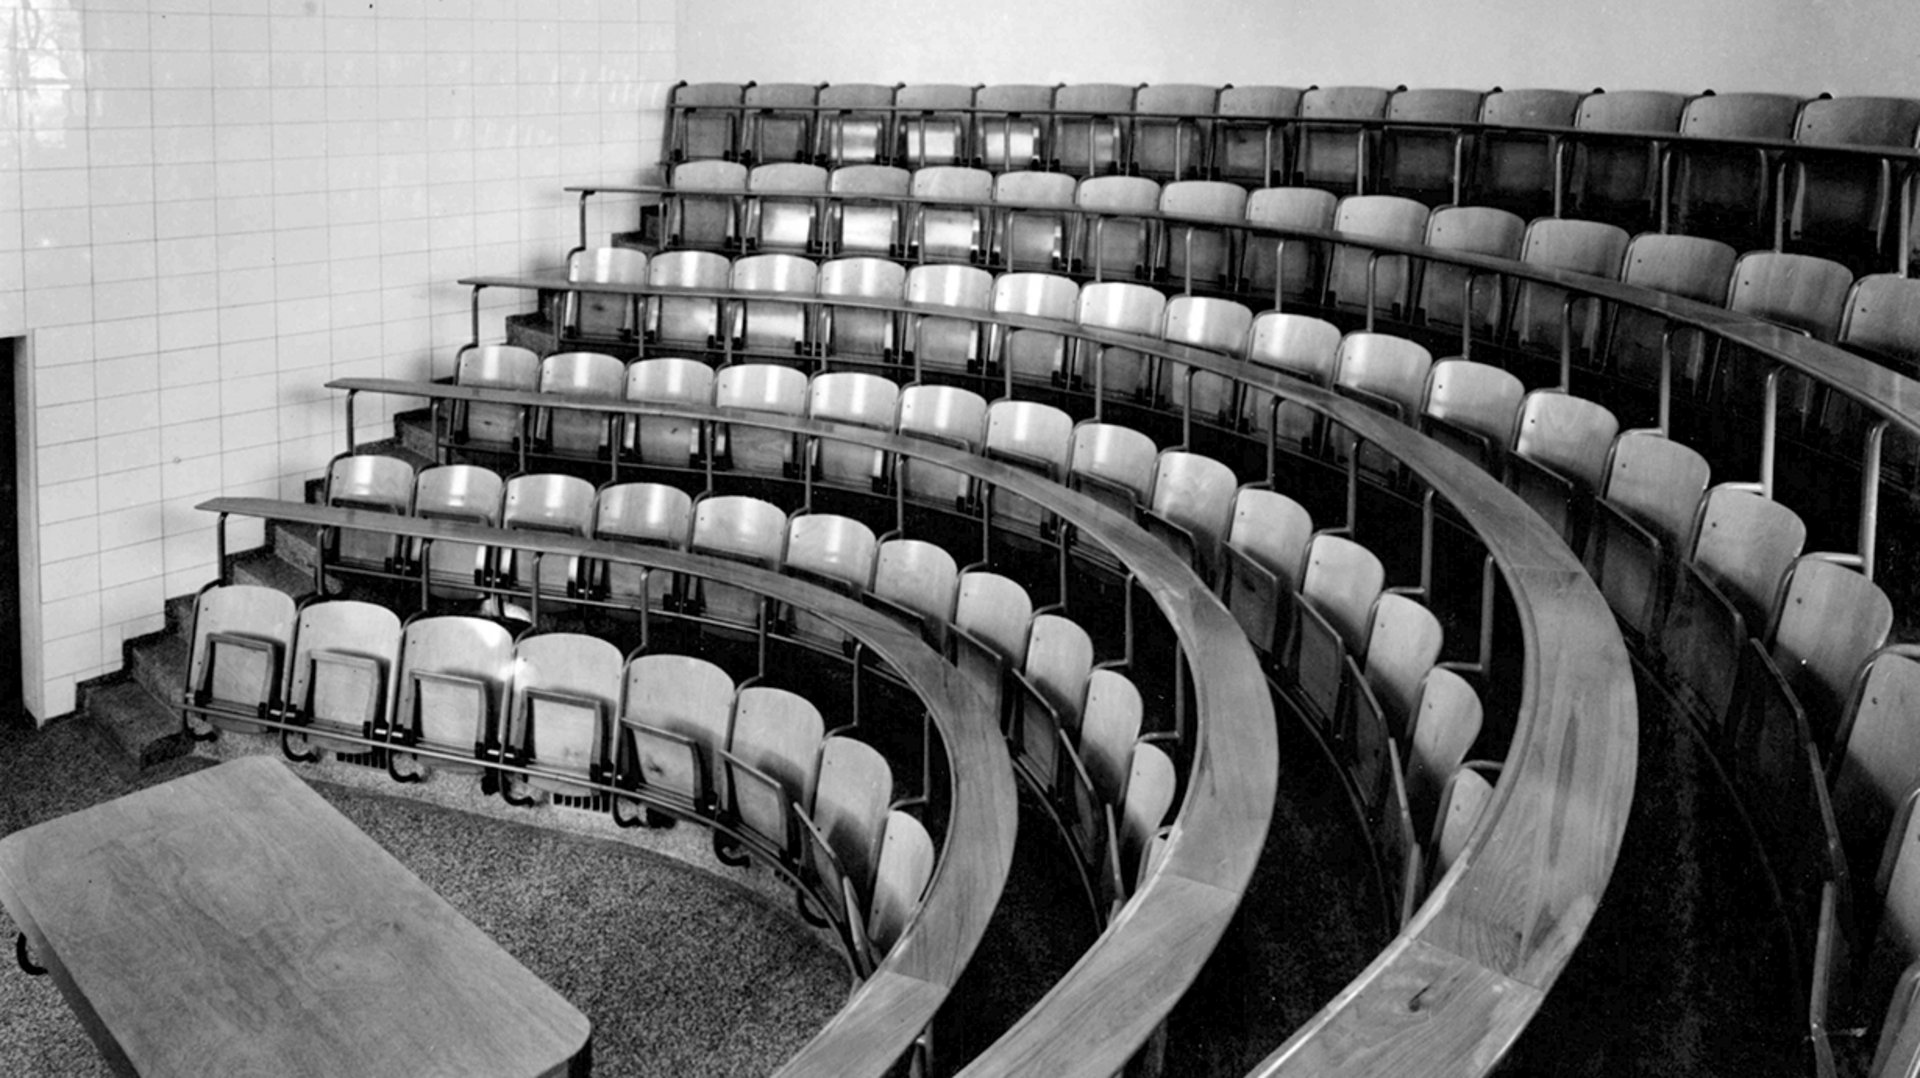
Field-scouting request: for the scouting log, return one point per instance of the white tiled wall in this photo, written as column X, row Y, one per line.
column 210, row 207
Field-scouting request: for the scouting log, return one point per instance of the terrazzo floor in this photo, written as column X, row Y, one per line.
column 680, row 971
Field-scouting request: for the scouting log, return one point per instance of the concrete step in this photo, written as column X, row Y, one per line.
column 131, row 728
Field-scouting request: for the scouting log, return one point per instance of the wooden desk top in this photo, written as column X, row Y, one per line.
column 233, row 922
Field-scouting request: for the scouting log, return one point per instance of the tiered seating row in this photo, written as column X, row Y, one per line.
column 1766, row 168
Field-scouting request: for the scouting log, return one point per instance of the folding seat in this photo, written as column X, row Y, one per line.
column 1616, row 179
column 759, row 387
column 949, row 415
column 1643, row 518
column 451, row 693
column 1215, row 325
column 856, row 124
column 462, row 492
column 1037, row 437
column 646, row 514
column 779, row 122
column 685, row 323
column 588, row 376
column 864, row 400
column 1691, row 267
column 1335, row 156
column 738, row 528
column 374, row 483
column 704, row 119
column 676, row 712
column 1800, row 292
column 847, row 821
column 1123, row 308
column 1897, row 1052
column 1088, row 132
column 341, row 675
column 784, row 208
column 602, row 316
column 1470, row 409
column 1446, row 292
column 1151, row 787
column 946, row 233
column 555, row 504
column 560, row 714
column 1249, row 133
column 1743, row 543
column 1286, row 207
column 480, row 424
column 1033, row 215
column 1112, row 464
column 771, row 762
column 915, row 580
column 1829, row 619
column 1421, row 162
column 1882, row 323
column 1544, row 317
column 1386, row 373
column 1516, row 171
column 1263, row 558
column 1059, row 661
column 854, row 334
column 857, row 226
column 1845, row 205
column 1893, row 945
column 766, row 327
column 906, row 866
column 1462, row 802
column 236, row 666
column 1559, row 458
column 1726, row 191
column 1875, row 764
column 833, row 551
column 1117, row 231
column 1195, row 253
column 1109, row 726
column 1010, row 126
column 932, row 126
column 1033, row 356
column 1298, row 346
column 991, row 617
column 1337, row 591
column 668, row 440
column 703, row 209
column 950, row 345
column 1360, row 278
column 1192, row 504
column 1445, row 726
column 1382, row 691
column 1172, row 126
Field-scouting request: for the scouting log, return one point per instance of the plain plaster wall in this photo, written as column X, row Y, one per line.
column 1793, row 46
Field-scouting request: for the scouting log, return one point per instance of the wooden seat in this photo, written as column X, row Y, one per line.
column 451, row 692
column 1618, row 180
column 1337, row 592
column 1726, row 192
column 1032, row 220
column 743, row 529
column 1116, row 232
column 1151, row 786
column 1423, row 163
column 651, row 514
column 704, row 121
column 1447, row 292
column 859, row 227
column 915, row 580
column 847, row 819
column 779, row 122
column 831, row 550
column 1010, row 128
column 1830, row 618
column 372, row 482
column 783, row 210
column 482, row 424
column 772, row 328
column 237, row 654
column 601, row 316
column 1193, row 254
column 1112, row 464
column 586, row 375
column 771, row 763
column 933, row 128
column 863, row 400
column 947, row 414
column 1249, row 139
column 341, row 674
column 1518, row 171
column 1215, row 325
column 759, row 387
column 464, row 492
column 1470, row 408
column 1172, row 130
column 703, row 210
column 1109, row 726
column 905, row 868
column 1559, row 458
column 1123, row 307
column 1548, row 320
column 667, row 440
column 1036, row 437
column 685, row 323
column 1032, row 356
column 1299, row 346
column 1876, row 757
column 556, row 504
column 1059, row 661
column 1089, row 128
column 1445, row 726
column 1691, row 267
column 1338, row 157
column 991, row 617
column 851, row 334
column 1846, row 205
column 676, row 713
column 1192, row 504
column 566, row 692
column 860, row 132
column 950, row 233
column 1262, row 561
column 1358, row 279
column 1462, row 802
column 1286, row 269
column 947, row 345
column 1643, row 518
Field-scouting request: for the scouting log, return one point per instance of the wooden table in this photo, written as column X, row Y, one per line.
column 232, row 922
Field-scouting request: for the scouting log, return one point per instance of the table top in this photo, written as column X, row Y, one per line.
column 233, row 922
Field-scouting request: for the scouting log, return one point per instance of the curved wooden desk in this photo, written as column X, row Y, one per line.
column 233, row 922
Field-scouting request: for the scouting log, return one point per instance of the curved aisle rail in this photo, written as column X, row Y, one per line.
column 1468, row 972
column 891, row 1007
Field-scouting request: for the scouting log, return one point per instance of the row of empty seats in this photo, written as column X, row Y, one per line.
column 574, row 717
column 1435, row 144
